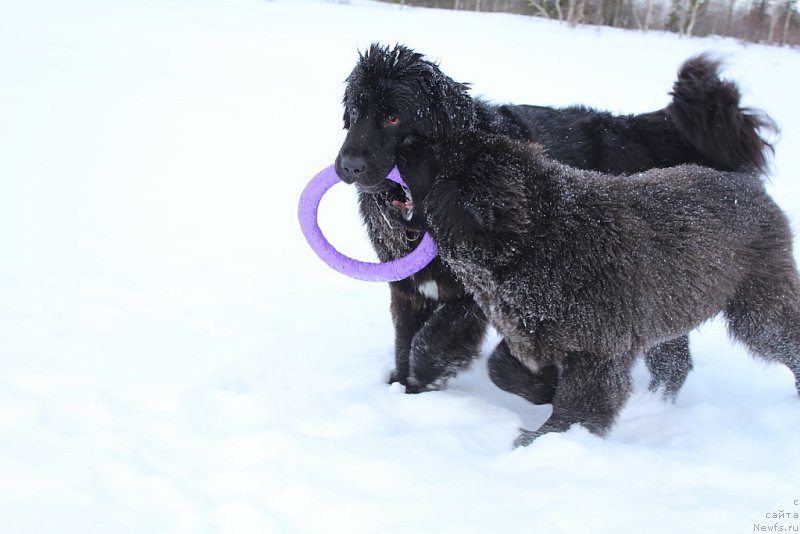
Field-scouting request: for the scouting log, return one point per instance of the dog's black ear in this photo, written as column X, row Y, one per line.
column 453, row 106
column 458, row 107
column 494, row 200
column 346, row 116
column 458, row 221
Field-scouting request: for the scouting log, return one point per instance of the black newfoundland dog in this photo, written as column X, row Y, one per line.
column 397, row 105
column 583, row 271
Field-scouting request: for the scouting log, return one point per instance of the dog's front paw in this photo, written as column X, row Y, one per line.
column 414, row 386
column 396, row 377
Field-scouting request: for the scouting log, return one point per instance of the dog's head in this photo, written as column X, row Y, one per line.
column 396, row 105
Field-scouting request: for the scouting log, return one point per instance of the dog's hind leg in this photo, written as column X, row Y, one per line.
column 765, row 316
column 511, row 375
column 669, row 364
column 592, row 391
column 447, row 343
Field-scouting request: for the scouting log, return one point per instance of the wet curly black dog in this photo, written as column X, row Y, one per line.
column 397, row 105
column 583, row 271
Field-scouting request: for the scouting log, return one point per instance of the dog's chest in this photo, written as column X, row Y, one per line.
column 428, row 289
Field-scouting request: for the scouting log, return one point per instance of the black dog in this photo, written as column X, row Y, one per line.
column 584, row 270
column 397, row 104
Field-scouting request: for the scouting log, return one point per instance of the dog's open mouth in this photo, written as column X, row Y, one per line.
column 404, row 202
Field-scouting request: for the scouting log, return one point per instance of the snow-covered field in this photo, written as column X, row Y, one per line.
column 175, row 359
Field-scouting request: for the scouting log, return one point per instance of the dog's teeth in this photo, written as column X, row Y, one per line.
column 408, row 212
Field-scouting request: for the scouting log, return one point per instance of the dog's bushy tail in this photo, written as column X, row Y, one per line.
column 706, row 110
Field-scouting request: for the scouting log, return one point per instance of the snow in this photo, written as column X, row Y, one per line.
column 175, row 359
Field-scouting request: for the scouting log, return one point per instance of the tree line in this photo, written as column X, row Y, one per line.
column 774, row 22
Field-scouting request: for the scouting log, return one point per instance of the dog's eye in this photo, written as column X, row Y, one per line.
column 392, row 120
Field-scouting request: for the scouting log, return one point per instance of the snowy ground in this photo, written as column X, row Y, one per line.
column 175, row 359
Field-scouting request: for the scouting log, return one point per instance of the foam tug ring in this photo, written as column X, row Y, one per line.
column 390, row 271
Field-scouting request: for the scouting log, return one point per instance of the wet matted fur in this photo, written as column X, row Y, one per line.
column 397, row 104
column 583, row 271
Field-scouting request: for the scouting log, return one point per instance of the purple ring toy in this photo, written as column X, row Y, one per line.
column 389, row 271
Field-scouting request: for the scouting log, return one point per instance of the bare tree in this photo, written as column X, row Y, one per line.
column 540, row 8
column 578, row 12
column 729, row 18
column 787, row 17
column 648, row 16
column 773, row 21
column 598, row 16
column 694, row 7
column 676, row 21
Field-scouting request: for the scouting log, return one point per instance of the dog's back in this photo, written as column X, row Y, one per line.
column 704, row 123
column 623, row 261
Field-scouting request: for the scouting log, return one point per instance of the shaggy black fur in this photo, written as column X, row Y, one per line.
column 397, row 104
column 583, row 271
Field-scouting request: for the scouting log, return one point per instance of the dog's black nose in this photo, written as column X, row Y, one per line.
column 353, row 167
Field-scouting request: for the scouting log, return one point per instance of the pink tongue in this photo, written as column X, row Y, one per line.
column 405, row 207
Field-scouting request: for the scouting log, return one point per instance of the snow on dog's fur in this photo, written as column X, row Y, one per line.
column 583, row 271
column 397, row 104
